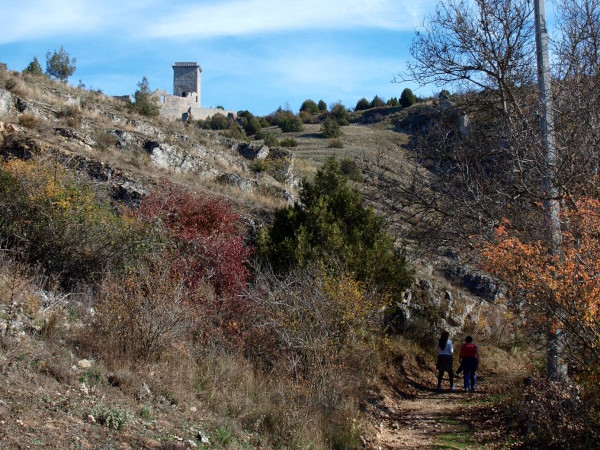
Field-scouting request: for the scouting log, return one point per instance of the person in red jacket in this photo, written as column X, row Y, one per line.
column 469, row 361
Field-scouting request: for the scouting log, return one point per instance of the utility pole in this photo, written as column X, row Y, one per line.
column 556, row 370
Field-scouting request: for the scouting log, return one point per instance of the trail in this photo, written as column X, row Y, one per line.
column 422, row 422
column 408, row 414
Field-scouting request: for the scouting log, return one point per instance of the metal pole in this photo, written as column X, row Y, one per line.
column 555, row 369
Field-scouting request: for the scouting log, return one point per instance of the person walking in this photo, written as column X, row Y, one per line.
column 444, row 359
column 469, row 361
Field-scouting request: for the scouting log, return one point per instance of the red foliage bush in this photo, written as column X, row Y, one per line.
column 207, row 235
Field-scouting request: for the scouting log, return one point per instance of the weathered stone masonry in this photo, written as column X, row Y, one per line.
column 186, row 95
column 186, row 80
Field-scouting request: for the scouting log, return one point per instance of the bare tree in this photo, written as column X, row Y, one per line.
column 578, row 45
column 486, row 45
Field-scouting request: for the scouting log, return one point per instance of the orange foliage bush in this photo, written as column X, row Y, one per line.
column 568, row 289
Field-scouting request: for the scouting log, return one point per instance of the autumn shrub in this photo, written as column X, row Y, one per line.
column 207, row 235
column 143, row 312
column 563, row 290
column 104, row 140
column 276, row 165
column 28, row 120
column 551, row 415
column 309, row 118
column 72, row 115
column 335, row 143
column 62, row 225
column 322, row 331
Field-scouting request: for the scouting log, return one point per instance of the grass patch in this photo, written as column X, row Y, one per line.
column 458, row 437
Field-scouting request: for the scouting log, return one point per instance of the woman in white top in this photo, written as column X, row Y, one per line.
column 444, row 359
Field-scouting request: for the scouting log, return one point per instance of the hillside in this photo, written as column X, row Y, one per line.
column 66, row 386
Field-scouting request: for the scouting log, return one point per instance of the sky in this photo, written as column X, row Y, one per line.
column 255, row 55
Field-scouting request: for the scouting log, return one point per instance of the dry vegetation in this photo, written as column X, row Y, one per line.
column 110, row 342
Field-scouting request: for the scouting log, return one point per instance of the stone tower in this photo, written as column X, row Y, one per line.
column 186, row 80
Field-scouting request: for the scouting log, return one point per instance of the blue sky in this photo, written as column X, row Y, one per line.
column 255, row 54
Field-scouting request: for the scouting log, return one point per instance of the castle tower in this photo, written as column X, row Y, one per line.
column 186, row 79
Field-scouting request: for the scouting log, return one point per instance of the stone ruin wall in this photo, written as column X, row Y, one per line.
column 173, row 107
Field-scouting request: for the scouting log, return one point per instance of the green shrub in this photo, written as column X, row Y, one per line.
column 310, row 107
column 34, row 68
column 392, row 102
column 331, row 128
column 252, row 126
column 271, row 140
column 146, row 412
column 444, row 94
column 219, row 122
column 377, row 102
column 322, row 106
column 289, row 142
column 341, row 114
column 292, row 124
column 331, row 225
column 236, row 132
column 407, row 98
column 92, row 377
column 113, row 418
column 362, row 104
column 349, row 168
column 145, row 103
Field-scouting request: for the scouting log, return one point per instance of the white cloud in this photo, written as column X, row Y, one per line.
column 244, row 17
column 30, row 19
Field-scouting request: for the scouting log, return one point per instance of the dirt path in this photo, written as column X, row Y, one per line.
column 408, row 413
column 430, row 420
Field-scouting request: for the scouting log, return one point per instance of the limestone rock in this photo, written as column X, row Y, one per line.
column 233, row 179
column 76, row 135
column 7, row 102
column 84, row 364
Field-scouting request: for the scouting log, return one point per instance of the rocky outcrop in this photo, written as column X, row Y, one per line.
column 251, row 152
column 7, row 102
column 127, row 139
column 476, row 282
column 233, row 179
column 76, row 135
column 441, row 306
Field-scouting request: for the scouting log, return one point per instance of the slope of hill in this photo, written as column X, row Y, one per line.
column 60, row 392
